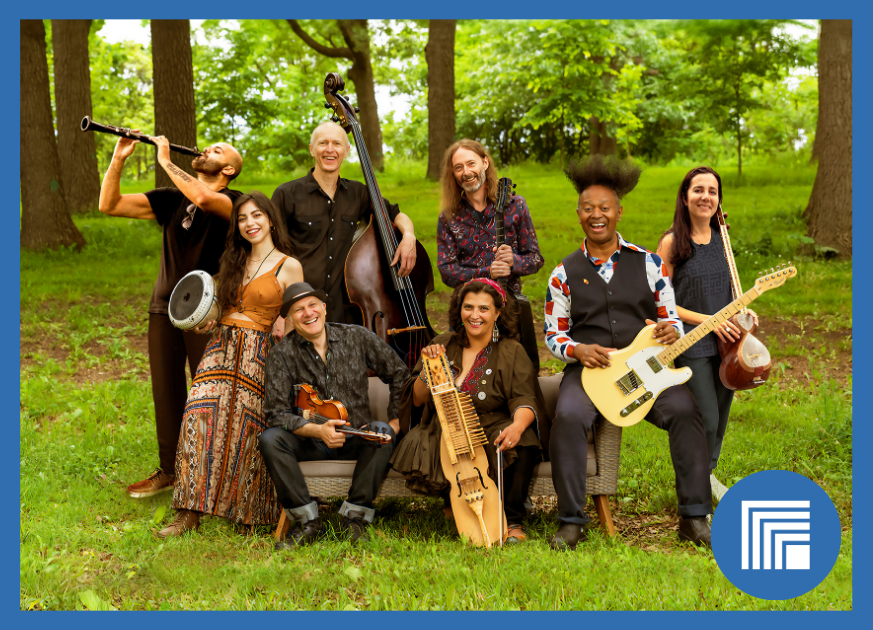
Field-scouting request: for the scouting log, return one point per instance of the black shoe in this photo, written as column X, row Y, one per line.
column 695, row 530
column 354, row 525
column 568, row 536
column 300, row 535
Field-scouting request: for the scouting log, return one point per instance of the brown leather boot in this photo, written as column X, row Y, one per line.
column 185, row 520
column 157, row 482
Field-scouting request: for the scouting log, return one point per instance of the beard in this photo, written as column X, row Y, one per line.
column 206, row 165
column 472, row 185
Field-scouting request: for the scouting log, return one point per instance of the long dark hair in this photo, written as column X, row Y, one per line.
column 507, row 323
column 450, row 202
column 232, row 266
column 681, row 228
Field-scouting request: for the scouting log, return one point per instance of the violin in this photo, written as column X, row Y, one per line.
column 392, row 306
column 475, row 498
column 745, row 363
column 319, row 411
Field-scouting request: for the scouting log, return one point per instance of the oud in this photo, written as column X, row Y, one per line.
column 626, row 390
column 475, row 498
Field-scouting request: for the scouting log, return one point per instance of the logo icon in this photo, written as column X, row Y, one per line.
column 776, row 535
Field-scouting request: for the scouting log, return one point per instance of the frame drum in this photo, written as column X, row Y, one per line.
column 193, row 301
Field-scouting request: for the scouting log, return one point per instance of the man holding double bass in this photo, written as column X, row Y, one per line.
column 467, row 230
column 322, row 211
column 194, row 221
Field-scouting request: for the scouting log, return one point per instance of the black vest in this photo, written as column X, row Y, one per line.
column 610, row 314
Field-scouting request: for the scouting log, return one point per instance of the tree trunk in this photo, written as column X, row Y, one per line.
column 175, row 116
column 45, row 220
column 77, row 150
column 440, row 56
column 357, row 38
column 830, row 206
column 739, row 150
column 599, row 142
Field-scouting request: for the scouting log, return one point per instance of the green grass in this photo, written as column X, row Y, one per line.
column 84, row 544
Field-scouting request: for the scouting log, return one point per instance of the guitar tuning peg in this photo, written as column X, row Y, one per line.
column 327, row 106
column 335, row 118
column 772, row 270
column 357, row 109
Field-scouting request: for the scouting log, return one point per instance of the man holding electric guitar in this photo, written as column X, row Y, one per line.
column 478, row 237
column 595, row 305
column 332, row 360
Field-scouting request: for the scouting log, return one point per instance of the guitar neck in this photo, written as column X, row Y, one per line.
column 674, row 350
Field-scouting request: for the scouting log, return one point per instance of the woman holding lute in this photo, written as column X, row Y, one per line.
column 494, row 370
column 693, row 252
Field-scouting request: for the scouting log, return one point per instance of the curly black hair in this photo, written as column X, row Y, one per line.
column 507, row 323
column 620, row 176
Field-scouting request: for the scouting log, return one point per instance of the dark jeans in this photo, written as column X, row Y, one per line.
column 169, row 349
column 674, row 411
column 516, row 483
column 713, row 399
column 283, row 450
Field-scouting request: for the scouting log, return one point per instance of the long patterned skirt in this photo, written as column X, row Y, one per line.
column 219, row 469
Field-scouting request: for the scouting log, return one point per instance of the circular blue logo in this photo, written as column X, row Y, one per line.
column 776, row 535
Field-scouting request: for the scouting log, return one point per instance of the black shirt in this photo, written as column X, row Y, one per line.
column 322, row 232
column 183, row 251
column 342, row 376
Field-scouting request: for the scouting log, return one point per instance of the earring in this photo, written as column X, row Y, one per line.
column 495, row 334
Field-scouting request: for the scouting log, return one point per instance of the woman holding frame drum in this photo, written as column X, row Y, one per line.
column 219, row 469
column 693, row 252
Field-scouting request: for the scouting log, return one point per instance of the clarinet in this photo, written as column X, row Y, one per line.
column 89, row 125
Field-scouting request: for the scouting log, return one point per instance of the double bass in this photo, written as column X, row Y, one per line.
column 745, row 362
column 392, row 306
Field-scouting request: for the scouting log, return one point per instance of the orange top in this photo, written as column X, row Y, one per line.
column 260, row 300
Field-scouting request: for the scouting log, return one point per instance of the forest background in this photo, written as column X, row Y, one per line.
column 740, row 95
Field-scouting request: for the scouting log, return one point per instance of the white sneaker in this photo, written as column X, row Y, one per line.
column 718, row 488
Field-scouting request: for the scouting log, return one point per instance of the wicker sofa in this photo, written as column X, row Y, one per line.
column 334, row 478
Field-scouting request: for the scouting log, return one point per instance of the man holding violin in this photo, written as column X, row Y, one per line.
column 322, row 211
column 194, row 221
column 333, row 359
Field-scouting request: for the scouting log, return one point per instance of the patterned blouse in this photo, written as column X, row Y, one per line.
column 558, row 320
column 464, row 244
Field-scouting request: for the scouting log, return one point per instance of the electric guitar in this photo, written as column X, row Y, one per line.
column 626, row 390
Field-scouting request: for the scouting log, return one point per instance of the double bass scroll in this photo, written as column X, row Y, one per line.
column 392, row 306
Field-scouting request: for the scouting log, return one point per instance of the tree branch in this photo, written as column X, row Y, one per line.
column 327, row 51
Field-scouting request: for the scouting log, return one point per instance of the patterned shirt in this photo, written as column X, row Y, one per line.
column 464, row 244
column 557, row 311
column 342, row 376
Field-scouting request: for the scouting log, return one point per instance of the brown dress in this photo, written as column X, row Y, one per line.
column 501, row 380
column 219, row 469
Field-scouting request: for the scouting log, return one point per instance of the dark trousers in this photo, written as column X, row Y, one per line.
column 674, row 411
column 516, row 483
column 169, row 349
column 713, row 399
column 283, row 450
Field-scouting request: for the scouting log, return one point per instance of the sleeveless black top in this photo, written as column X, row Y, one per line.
column 703, row 284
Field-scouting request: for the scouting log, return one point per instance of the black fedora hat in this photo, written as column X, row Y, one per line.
column 298, row 291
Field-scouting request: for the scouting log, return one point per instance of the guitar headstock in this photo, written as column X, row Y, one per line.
column 344, row 113
column 437, row 372
column 776, row 278
column 505, row 189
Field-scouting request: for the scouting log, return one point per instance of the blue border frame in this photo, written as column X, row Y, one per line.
column 863, row 260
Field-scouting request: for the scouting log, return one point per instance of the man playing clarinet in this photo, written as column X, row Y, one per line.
column 194, row 221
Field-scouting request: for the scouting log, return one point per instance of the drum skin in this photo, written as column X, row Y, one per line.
column 193, row 301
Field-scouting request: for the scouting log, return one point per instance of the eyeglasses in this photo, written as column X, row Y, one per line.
column 189, row 219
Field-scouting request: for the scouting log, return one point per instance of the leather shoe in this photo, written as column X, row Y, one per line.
column 695, row 530
column 157, row 482
column 514, row 535
column 354, row 525
column 185, row 520
column 568, row 536
column 300, row 534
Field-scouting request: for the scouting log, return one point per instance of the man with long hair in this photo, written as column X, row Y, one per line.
column 466, row 230
column 194, row 221
column 594, row 305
